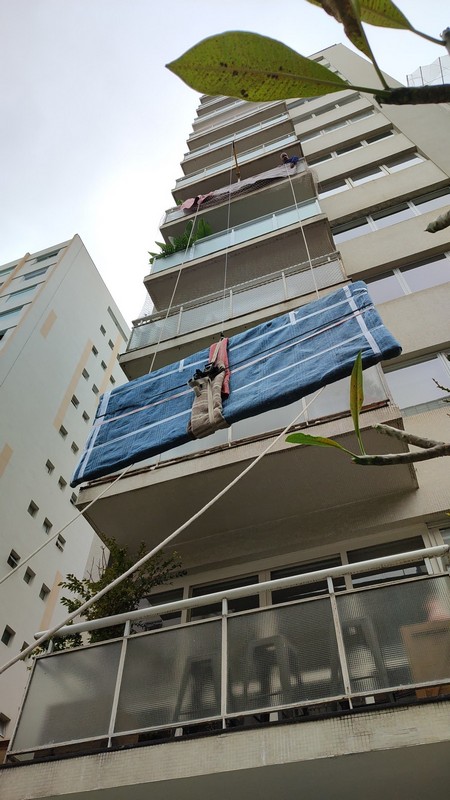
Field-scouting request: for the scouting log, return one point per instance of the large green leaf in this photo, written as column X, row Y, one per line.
column 253, row 67
column 375, row 12
column 349, row 14
column 318, row 441
column 357, row 397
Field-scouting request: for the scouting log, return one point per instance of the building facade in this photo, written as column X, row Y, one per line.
column 60, row 336
column 306, row 668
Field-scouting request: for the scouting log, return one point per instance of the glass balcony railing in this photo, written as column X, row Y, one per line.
column 260, row 126
column 243, row 158
column 243, row 298
column 241, row 233
column 255, row 108
column 351, row 644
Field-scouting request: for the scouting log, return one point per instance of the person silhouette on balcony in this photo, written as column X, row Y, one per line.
column 292, row 160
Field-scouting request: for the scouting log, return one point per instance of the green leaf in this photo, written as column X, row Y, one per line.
column 375, row 12
column 357, row 397
column 348, row 13
column 254, row 68
column 319, row 441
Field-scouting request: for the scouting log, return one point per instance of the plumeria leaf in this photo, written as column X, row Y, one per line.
column 348, row 13
column 382, row 13
column 254, row 68
column 319, row 441
column 357, row 397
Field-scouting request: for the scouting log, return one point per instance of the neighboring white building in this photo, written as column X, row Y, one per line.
column 60, row 337
column 337, row 687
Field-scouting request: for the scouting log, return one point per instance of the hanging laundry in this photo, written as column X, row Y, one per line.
column 270, row 366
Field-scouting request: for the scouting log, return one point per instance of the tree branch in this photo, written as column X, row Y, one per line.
column 403, row 458
column 404, row 436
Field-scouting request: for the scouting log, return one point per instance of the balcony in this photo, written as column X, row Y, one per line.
column 337, row 650
column 204, row 133
column 239, row 234
column 251, row 133
column 244, row 156
column 206, row 316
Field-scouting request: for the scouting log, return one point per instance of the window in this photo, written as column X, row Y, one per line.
column 235, row 604
column 306, row 589
column 49, row 466
column 432, row 200
column 367, row 175
column 75, row 402
column 29, row 575
column 350, row 230
column 395, row 165
column 73, row 498
column 8, row 635
column 112, row 379
column 21, row 292
column 44, row 593
column 332, row 187
column 3, row 724
column 60, row 542
column 85, row 374
column 62, row 483
column 162, row 620
column 95, row 388
column 85, row 416
column 102, row 330
column 392, row 215
column 94, row 350
column 24, row 646
column 47, row 525
column 6, row 271
column 379, row 136
column 103, row 365
column 33, row 509
column 13, row 559
column 312, row 162
column 35, row 274
column 45, row 256
column 74, row 447
column 384, row 288
column 414, row 383
column 63, row 431
column 111, row 344
column 393, row 573
column 423, row 275
column 348, row 148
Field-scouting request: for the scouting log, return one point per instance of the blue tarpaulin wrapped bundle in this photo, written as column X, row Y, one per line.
column 270, row 366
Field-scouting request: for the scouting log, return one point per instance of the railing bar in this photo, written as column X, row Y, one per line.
column 245, row 591
column 224, row 662
column 119, row 676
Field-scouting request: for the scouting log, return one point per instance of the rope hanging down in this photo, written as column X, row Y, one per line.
column 308, row 254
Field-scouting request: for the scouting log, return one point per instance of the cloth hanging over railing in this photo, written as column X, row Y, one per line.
column 270, row 366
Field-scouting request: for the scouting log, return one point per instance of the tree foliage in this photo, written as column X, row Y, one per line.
column 187, row 238
column 159, row 570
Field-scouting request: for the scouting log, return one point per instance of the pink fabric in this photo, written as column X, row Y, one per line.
column 221, row 358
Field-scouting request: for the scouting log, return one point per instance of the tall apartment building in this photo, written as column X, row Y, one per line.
column 60, row 336
column 335, row 683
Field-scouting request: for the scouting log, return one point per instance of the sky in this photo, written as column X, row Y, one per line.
column 93, row 127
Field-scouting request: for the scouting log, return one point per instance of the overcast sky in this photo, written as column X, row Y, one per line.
column 93, row 127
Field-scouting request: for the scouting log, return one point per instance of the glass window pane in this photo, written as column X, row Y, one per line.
column 395, row 572
column 234, row 604
column 414, row 383
column 429, row 273
column 428, row 202
column 366, row 176
column 348, row 148
column 328, row 189
column 162, row 620
column 385, row 288
column 351, row 230
column 404, row 162
column 306, row 589
column 391, row 216
column 379, row 136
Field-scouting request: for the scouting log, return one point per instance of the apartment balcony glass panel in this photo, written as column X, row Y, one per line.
column 394, row 637
column 287, row 284
column 243, row 158
column 241, row 233
column 234, row 137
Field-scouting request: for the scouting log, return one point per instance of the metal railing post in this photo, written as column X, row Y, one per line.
column 120, row 666
column 224, row 662
column 340, row 640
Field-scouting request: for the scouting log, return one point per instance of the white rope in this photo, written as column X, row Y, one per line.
column 51, row 632
column 175, row 288
column 25, row 560
column 227, row 245
column 308, row 255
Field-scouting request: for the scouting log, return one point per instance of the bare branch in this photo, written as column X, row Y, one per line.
column 404, row 436
column 393, row 459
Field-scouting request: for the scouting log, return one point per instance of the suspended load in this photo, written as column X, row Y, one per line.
column 266, row 367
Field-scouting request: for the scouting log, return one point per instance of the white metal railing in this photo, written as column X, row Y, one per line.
column 312, row 650
column 239, row 233
column 243, row 158
column 255, row 108
column 296, row 281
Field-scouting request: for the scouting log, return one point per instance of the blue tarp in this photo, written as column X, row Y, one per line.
column 271, row 365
